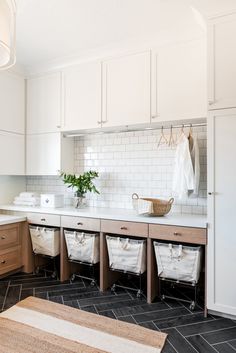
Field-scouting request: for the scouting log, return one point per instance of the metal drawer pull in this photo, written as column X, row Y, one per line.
column 3, row 237
column 3, row 261
column 79, row 224
column 123, row 228
column 43, row 219
column 176, row 233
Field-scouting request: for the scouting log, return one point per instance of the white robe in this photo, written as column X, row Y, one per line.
column 183, row 178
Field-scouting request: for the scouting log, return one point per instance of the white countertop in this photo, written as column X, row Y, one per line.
column 5, row 219
column 185, row 220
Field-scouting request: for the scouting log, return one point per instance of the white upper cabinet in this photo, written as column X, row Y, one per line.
column 221, row 283
column 48, row 153
column 179, row 81
column 44, row 102
column 12, row 102
column 126, row 90
column 222, row 62
column 12, row 156
column 82, row 90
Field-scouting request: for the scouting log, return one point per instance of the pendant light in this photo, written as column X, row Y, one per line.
column 7, row 33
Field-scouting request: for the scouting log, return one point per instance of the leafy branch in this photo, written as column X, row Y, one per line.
column 82, row 184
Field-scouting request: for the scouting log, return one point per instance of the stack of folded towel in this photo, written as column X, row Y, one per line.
column 27, row 199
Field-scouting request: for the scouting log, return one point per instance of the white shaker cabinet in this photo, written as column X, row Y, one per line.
column 46, row 154
column 82, row 95
column 179, row 81
column 222, row 62
column 44, row 103
column 221, row 282
column 12, row 102
column 126, row 90
column 12, row 156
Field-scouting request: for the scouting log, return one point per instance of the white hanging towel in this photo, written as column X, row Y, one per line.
column 183, row 178
column 194, row 152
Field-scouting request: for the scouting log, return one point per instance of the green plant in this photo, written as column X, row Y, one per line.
column 81, row 184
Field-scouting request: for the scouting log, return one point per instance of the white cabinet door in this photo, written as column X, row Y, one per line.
column 126, row 90
column 44, row 104
column 221, row 62
column 82, row 89
column 221, row 287
column 12, row 102
column 46, row 154
column 179, row 81
column 12, row 156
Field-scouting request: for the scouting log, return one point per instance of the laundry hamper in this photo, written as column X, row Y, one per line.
column 128, row 256
column 45, row 242
column 179, row 263
column 83, row 248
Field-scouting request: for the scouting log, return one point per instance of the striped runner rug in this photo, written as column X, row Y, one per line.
column 38, row 326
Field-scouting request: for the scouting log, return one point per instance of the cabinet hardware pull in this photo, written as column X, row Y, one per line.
column 43, row 219
column 3, row 237
column 58, row 126
column 210, row 193
column 3, row 261
column 99, row 122
column 104, row 121
column 123, row 228
column 176, row 233
column 155, row 116
column 79, row 224
column 211, row 102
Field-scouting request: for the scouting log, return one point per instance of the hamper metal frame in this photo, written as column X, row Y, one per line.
column 139, row 291
column 91, row 269
column 54, row 272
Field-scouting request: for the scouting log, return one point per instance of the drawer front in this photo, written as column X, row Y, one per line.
column 179, row 234
column 125, row 228
column 81, row 223
column 10, row 260
column 9, row 236
column 44, row 219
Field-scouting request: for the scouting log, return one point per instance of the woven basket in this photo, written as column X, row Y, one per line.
column 159, row 207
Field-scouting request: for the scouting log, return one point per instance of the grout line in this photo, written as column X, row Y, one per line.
column 208, row 343
column 231, row 345
column 186, row 340
column 212, row 331
column 6, row 293
column 20, row 292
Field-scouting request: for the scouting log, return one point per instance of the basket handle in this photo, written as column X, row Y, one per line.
column 135, row 196
column 170, row 202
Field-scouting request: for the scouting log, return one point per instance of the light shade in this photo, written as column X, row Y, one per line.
column 7, row 33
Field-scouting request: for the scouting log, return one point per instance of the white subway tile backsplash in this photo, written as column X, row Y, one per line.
column 129, row 162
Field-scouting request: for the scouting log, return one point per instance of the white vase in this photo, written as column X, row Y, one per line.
column 79, row 201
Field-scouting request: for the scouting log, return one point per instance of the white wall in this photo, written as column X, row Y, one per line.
column 129, row 162
column 10, row 186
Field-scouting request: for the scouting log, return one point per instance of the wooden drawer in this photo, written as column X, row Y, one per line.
column 179, row 234
column 44, row 219
column 125, row 228
column 10, row 260
column 81, row 223
column 9, row 235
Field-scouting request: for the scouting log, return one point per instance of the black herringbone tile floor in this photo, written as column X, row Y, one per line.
column 188, row 332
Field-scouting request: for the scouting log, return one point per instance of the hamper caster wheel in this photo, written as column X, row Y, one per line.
column 113, row 288
column 54, row 275
column 37, row 270
column 139, row 293
column 163, row 297
column 93, row 283
column 72, row 278
column 192, row 306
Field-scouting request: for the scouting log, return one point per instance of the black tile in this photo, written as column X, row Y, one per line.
column 72, row 303
column 204, row 327
column 90, row 309
column 3, row 290
column 200, row 344
column 108, row 313
column 41, row 283
column 182, row 320
column 82, row 293
column 150, row 325
column 12, row 296
column 26, row 293
column 168, row 348
column 221, row 335
column 59, row 289
column 43, row 295
column 224, row 348
column 106, row 300
column 128, row 318
column 29, row 279
column 179, row 342
column 160, row 315
column 56, row 299
column 233, row 343
column 116, row 302
column 140, row 308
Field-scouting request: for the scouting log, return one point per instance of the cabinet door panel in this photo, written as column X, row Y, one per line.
column 126, row 90
column 179, row 82
column 82, row 88
column 12, row 103
column 44, row 104
column 222, row 58
column 221, row 215
column 12, row 156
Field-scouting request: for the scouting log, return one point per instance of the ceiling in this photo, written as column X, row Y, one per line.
column 52, row 31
